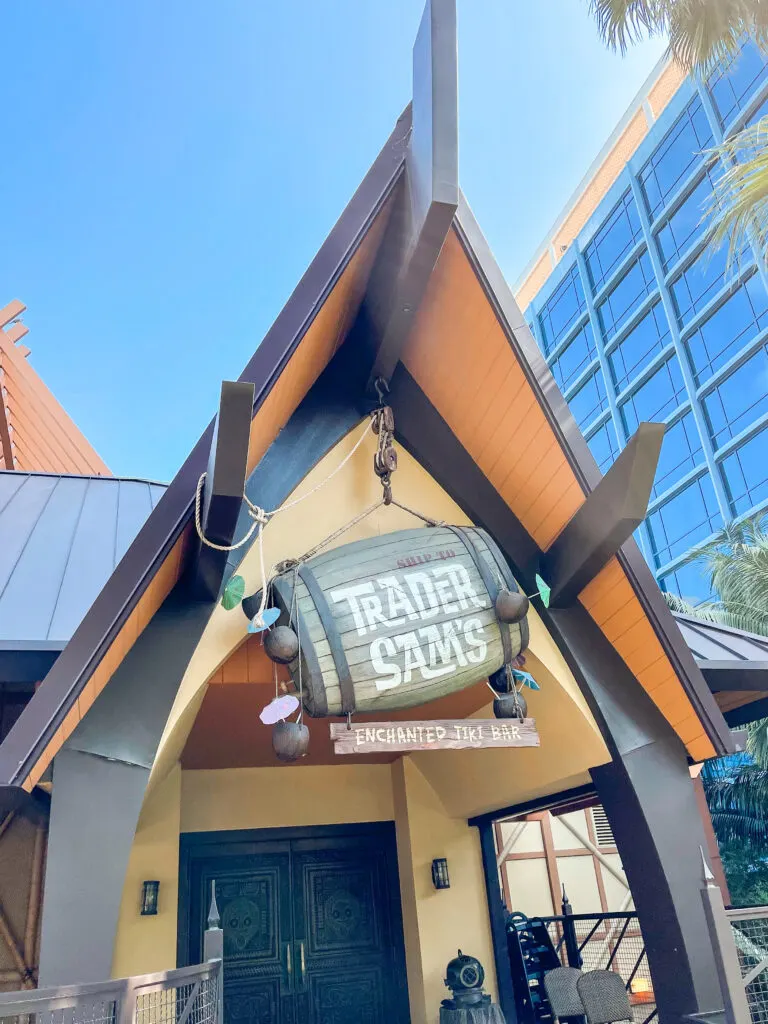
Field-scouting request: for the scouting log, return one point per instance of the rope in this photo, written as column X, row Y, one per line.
column 259, row 515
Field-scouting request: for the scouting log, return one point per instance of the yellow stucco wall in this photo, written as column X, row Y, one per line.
column 428, row 795
column 276, row 797
column 146, row 944
column 437, row 923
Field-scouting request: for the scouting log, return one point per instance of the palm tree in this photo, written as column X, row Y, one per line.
column 736, row 562
column 702, row 34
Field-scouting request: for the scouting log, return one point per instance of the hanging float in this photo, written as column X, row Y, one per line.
column 393, row 621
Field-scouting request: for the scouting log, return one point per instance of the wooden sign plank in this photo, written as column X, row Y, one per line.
column 443, row 734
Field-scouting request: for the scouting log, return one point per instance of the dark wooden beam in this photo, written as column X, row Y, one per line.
column 224, row 486
column 753, row 711
column 505, row 983
column 432, row 175
column 735, row 675
column 608, row 518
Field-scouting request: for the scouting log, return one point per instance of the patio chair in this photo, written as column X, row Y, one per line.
column 604, row 997
column 561, row 988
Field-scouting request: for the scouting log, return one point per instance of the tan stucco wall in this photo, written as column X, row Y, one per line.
column 436, row 924
column 146, row 944
column 428, row 795
column 282, row 797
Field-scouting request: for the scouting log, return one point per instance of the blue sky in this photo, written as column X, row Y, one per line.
column 171, row 166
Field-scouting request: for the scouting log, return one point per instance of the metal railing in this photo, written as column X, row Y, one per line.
column 749, row 926
column 190, row 995
column 605, row 941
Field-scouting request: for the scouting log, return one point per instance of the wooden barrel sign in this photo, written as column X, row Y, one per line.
column 398, row 620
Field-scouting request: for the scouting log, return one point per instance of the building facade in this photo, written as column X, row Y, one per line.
column 640, row 320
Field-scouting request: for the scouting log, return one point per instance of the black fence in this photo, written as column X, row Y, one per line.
column 606, row 941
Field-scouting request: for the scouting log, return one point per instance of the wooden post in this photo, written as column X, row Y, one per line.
column 213, row 949
column 726, row 957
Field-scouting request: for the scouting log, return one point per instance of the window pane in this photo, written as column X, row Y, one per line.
column 604, row 446
column 575, row 358
column 735, row 82
column 627, row 295
column 646, row 339
column 700, row 282
column 746, row 473
column 685, row 520
column 759, row 114
column 688, row 222
column 688, row 582
column 657, row 398
column 675, row 156
column 613, row 241
column 680, row 452
column 562, row 309
column 739, row 399
column 729, row 328
column 589, row 400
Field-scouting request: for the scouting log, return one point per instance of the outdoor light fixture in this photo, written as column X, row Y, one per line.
column 440, row 878
column 149, row 893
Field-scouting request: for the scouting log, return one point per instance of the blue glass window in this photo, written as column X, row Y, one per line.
column 729, row 328
column 735, row 82
column 627, row 295
column 739, row 399
column 562, row 309
column 675, row 156
column 746, row 473
column 657, row 398
column 574, row 359
column 613, row 241
column 688, row 582
column 647, row 338
column 685, row 520
column 687, row 222
column 589, row 400
column 604, row 446
column 759, row 114
column 681, row 452
column 702, row 280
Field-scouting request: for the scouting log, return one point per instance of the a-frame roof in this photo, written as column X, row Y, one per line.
column 36, row 434
column 406, row 286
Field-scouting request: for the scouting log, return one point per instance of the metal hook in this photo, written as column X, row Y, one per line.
column 382, row 389
column 349, row 721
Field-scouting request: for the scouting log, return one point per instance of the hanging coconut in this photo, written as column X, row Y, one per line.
column 281, row 645
column 502, row 680
column 510, row 705
column 511, row 606
column 290, row 740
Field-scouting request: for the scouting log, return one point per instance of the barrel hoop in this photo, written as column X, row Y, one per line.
column 489, row 581
column 312, row 682
column 328, row 623
column 503, row 564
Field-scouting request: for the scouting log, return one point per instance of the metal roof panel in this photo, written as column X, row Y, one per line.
column 61, row 537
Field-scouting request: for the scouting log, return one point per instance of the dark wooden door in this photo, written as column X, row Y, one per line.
column 312, row 923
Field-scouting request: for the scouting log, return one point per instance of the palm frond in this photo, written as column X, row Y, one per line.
column 739, row 206
column 701, row 33
column 738, row 802
column 624, row 22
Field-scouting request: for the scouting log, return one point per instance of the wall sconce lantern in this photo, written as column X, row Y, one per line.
column 149, row 893
column 440, row 878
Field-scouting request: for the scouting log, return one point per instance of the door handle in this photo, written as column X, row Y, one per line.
column 287, row 985
column 302, row 963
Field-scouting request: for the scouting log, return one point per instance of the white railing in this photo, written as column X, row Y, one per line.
column 189, row 995
column 749, row 926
